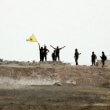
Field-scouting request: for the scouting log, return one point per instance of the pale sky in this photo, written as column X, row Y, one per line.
column 82, row 24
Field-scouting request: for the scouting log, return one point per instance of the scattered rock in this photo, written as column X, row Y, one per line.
column 69, row 83
column 58, row 84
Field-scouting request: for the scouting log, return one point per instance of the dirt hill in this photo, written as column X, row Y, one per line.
column 50, row 73
column 53, row 86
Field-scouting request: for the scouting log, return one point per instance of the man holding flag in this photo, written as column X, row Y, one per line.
column 42, row 50
column 33, row 38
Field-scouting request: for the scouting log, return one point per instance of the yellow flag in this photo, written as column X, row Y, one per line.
column 32, row 38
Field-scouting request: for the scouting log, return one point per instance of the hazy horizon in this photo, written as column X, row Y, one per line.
column 82, row 24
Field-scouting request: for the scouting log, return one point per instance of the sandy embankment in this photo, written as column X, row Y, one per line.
column 31, row 87
column 48, row 74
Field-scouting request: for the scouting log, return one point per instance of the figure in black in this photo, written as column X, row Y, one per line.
column 57, row 51
column 41, row 50
column 103, row 59
column 76, row 56
column 93, row 59
column 54, row 55
column 45, row 52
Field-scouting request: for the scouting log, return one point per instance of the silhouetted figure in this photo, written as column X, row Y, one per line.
column 41, row 50
column 45, row 52
column 93, row 59
column 57, row 50
column 103, row 59
column 54, row 55
column 76, row 56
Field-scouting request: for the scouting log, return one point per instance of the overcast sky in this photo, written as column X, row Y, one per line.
column 82, row 24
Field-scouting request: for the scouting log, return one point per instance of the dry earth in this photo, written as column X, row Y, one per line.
column 53, row 86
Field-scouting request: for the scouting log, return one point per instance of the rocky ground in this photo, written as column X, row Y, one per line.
column 55, row 98
column 53, row 86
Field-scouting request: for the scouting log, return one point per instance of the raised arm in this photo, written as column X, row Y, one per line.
column 39, row 46
column 52, row 47
column 62, row 47
column 47, row 50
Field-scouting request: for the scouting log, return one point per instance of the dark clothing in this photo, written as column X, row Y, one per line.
column 58, row 57
column 103, row 63
column 103, row 59
column 76, row 56
column 45, row 53
column 41, row 54
column 41, row 51
column 54, row 56
column 57, row 53
column 76, row 61
column 93, row 59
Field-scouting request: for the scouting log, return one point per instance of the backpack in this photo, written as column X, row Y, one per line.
column 105, row 57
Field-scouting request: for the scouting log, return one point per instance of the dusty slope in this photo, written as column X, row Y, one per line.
column 19, row 88
column 82, row 75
